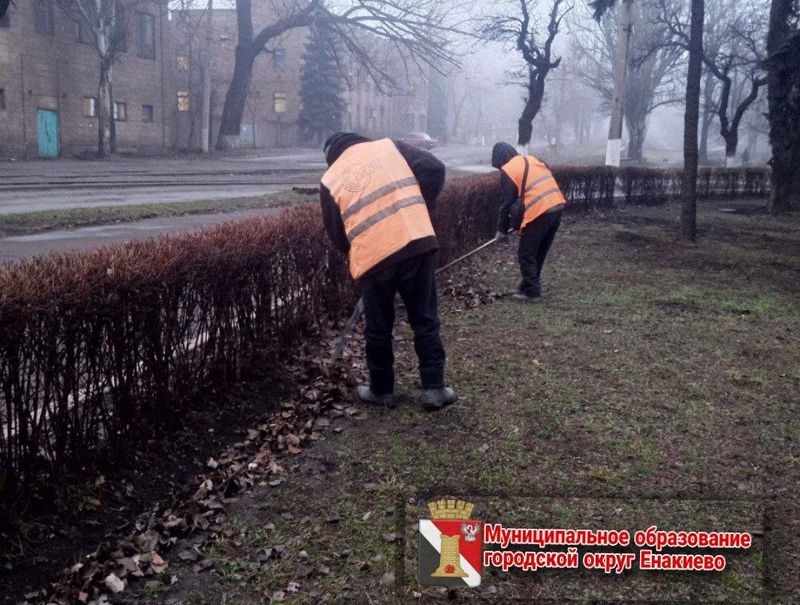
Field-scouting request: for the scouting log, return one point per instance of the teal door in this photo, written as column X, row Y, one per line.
column 47, row 127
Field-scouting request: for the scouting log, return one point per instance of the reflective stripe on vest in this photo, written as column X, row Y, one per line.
column 541, row 192
column 380, row 202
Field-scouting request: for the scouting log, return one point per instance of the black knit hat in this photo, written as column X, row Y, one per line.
column 338, row 142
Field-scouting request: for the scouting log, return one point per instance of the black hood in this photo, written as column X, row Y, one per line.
column 502, row 153
column 337, row 143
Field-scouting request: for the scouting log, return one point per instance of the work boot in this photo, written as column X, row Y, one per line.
column 436, row 399
column 365, row 395
column 520, row 297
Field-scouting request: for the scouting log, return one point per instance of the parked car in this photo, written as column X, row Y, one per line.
column 420, row 139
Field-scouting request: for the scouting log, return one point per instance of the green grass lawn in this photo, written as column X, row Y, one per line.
column 657, row 384
column 47, row 220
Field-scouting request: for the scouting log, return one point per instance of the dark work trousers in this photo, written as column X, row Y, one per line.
column 414, row 278
column 534, row 244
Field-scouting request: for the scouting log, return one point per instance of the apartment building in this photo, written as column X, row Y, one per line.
column 394, row 105
column 49, row 73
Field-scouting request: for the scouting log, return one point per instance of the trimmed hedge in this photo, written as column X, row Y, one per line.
column 586, row 187
column 651, row 186
column 101, row 348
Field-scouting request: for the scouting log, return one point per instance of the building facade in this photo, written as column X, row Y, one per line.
column 273, row 103
column 393, row 109
column 394, row 106
column 49, row 73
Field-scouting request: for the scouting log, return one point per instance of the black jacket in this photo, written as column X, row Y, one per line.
column 429, row 172
column 501, row 155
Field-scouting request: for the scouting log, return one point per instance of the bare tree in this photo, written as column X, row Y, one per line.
column 733, row 54
column 652, row 70
column 691, row 116
column 518, row 29
column 691, row 153
column 708, row 112
column 415, row 26
column 601, row 7
column 106, row 23
column 783, row 65
column 4, row 4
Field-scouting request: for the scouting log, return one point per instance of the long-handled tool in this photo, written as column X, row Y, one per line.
column 467, row 255
column 337, row 352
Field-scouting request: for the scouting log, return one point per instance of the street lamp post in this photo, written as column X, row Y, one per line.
column 614, row 147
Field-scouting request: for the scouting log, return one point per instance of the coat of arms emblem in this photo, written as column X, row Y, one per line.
column 450, row 546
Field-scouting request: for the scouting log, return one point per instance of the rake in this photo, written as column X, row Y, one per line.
column 359, row 310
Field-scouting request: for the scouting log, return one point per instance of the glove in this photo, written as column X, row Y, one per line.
column 500, row 236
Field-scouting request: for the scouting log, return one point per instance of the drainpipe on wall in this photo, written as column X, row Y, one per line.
column 22, row 94
column 163, row 101
column 205, row 114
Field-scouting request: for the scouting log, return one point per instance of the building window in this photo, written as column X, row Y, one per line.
column 146, row 35
column 90, row 107
column 2, row 99
column 85, row 34
column 279, row 59
column 5, row 21
column 43, row 17
column 279, row 102
column 183, row 100
column 120, row 111
column 183, row 62
column 147, row 113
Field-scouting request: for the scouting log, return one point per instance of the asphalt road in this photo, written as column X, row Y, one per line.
column 23, row 247
column 64, row 184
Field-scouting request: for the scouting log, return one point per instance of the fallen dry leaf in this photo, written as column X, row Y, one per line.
column 113, row 583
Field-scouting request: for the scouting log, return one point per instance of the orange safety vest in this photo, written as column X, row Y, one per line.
column 541, row 190
column 380, row 201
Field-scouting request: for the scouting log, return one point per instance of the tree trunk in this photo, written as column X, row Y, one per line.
column 637, row 132
column 708, row 115
column 105, row 111
column 783, row 81
column 704, row 130
column 532, row 107
column 731, row 145
column 235, row 99
column 691, row 121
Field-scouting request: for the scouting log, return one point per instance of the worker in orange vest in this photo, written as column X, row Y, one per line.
column 376, row 197
column 531, row 202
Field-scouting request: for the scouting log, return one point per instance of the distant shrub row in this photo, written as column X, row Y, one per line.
column 651, row 186
column 100, row 349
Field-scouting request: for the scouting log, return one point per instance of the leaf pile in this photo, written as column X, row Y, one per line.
column 323, row 396
column 469, row 296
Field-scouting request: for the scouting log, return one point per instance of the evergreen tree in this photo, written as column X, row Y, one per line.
column 321, row 88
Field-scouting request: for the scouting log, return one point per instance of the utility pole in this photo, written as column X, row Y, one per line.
column 614, row 148
column 205, row 130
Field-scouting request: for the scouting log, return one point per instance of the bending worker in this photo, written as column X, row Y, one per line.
column 376, row 197
column 532, row 202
